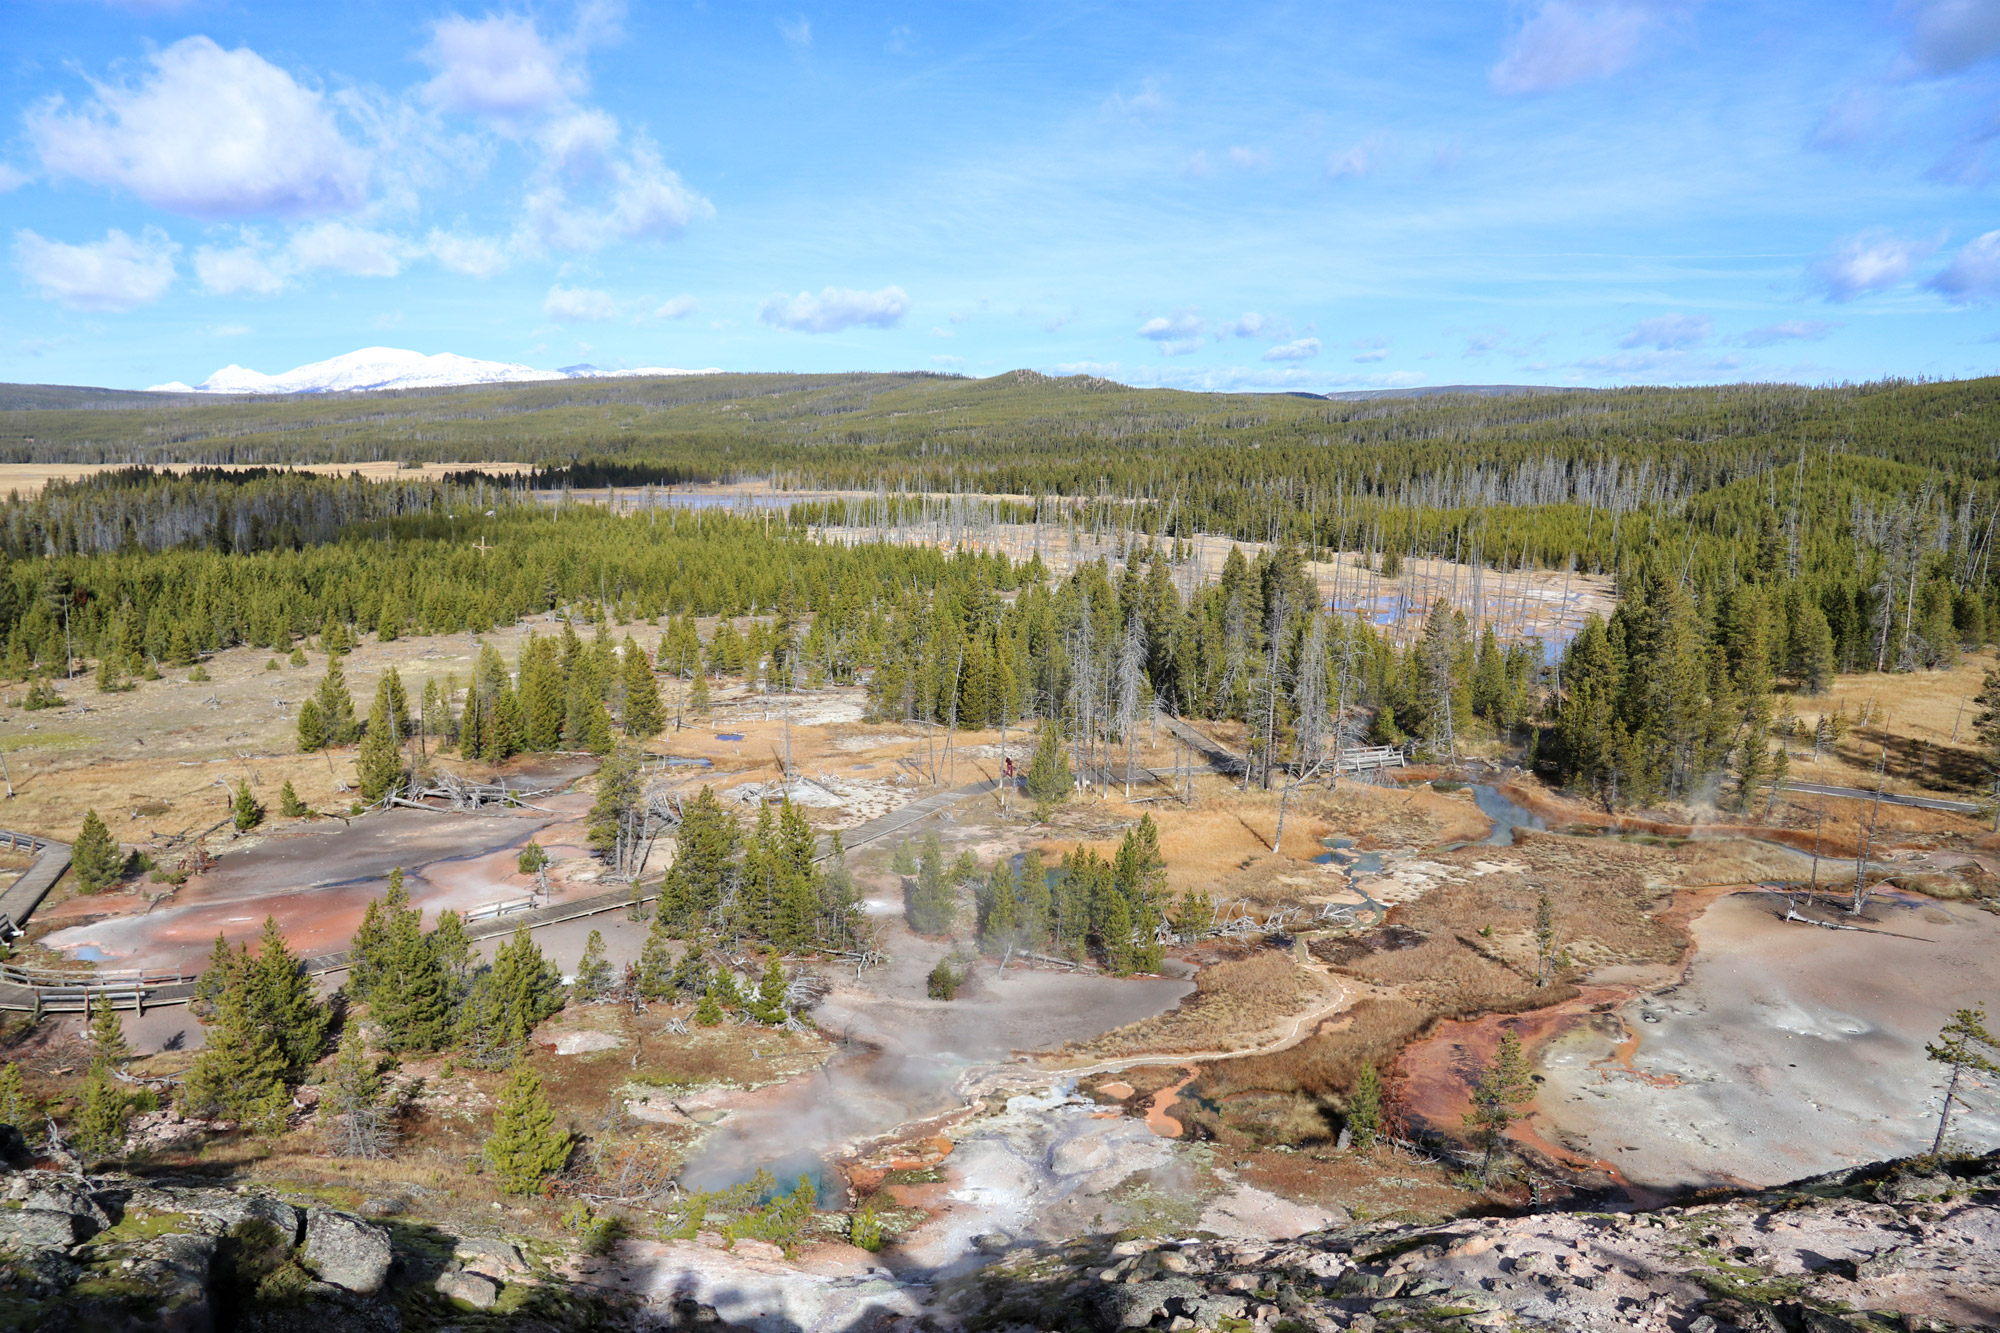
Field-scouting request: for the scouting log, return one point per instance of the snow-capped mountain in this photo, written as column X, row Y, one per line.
column 394, row 368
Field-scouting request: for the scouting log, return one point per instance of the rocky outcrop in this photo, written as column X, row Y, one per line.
column 116, row 1254
column 1900, row 1246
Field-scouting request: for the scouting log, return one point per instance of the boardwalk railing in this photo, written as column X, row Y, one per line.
column 507, row 908
column 1374, row 756
column 57, row 991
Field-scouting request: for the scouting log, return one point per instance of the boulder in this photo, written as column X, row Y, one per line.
column 69, row 1196
column 347, row 1251
column 474, row 1289
column 492, row 1258
column 232, row 1210
column 42, row 1229
column 1137, row 1304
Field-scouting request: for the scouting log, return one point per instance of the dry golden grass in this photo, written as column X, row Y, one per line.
column 1922, row 718
column 1235, row 1004
column 1431, row 962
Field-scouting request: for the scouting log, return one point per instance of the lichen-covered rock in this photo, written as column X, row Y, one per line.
column 1138, row 1304
column 232, row 1209
column 497, row 1259
column 347, row 1251
column 41, row 1229
column 58, row 1194
column 476, row 1290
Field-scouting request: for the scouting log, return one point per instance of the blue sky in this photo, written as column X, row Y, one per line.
column 1253, row 195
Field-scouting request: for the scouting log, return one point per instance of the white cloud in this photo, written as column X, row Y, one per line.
column 580, row 142
column 229, row 331
column 1568, row 41
column 1358, row 160
column 1168, row 328
column 1175, row 335
column 1974, row 272
column 1796, row 330
column 345, row 248
column 119, row 272
column 1667, row 333
column 1676, row 364
column 1951, row 35
column 243, row 268
column 797, row 32
column 499, row 66
column 680, row 307
column 1226, row 379
column 11, row 179
column 1197, row 164
column 209, row 133
column 633, row 197
column 474, row 256
column 834, row 309
column 1870, row 261
column 1373, row 354
column 1252, row 159
column 1148, row 101
column 1246, row 325
column 579, row 303
column 1302, row 349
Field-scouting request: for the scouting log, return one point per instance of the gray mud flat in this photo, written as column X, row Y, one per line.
column 1788, row 1050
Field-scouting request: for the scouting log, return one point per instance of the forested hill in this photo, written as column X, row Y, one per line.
column 1026, row 433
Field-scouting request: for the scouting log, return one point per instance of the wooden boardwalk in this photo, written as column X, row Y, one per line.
column 20, row 899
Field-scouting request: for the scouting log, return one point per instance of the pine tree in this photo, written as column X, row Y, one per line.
column 99, row 1127
column 408, row 990
column 1545, row 937
column 380, row 763
column 698, row 700
column 769, row 1005
column 246, row 812
column 1364, row 1108
column 593, row 972
column 525, row 1147
column 289, row 804
column 1986, row 726
column 542, row 694
column 107, row 1037
column 455, row 956
column 612, row 827
column 335, row 706
column 1049, row 782
column 240, row 1073
column 367, row 952
column 529, row 986
column 645, row 716
column 358, row 1121
column 656, row 958
column 311, row 728
column 999, row 930
column 16, row 1106
column 1964, row 1043
column 283, row 999
column 708, row 1012
column 1498, row 1091
column 95, row 857
column 928, row 905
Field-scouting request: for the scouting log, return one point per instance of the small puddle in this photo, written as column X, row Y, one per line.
column 1505, row 813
